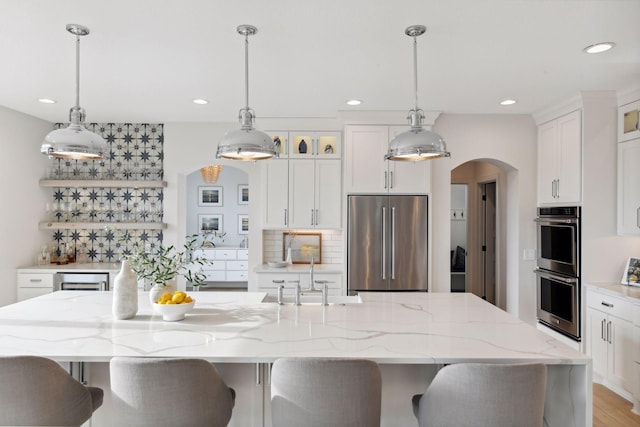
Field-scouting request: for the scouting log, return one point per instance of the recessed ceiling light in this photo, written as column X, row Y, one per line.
column 200, row 101
column 47, row 100
column 354, row 102
column 508, row 102
column 599, row 47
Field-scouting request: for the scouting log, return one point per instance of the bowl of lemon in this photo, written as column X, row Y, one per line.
column 174, row 306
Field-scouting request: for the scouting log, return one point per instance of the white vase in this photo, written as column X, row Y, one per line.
column 156, row 291
column 125, row 293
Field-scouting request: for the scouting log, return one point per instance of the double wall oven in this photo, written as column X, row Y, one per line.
column 558, row 272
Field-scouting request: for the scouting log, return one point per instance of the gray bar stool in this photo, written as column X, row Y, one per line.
column 317, row 392
column 38, row 391
column 155, row 392
column 470, row 395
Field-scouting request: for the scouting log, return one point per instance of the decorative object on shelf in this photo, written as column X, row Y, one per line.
column 161, row 268
column 631, row 275
column 302, row 147
column 210, row 239
column 210, row 196
column 277, row 144
column 300, row 247
column 328, row 149
column 211, row 173
column 243, row 194
column 75, row 142
column 125, row 293
column 210, row 222
column 246, row 143
column 417, row 143
column 243, row 224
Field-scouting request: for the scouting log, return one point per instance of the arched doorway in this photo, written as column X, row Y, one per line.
column 478, row 202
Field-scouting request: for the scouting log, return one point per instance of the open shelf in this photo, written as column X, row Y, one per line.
column 46, row 225
column 100, row 183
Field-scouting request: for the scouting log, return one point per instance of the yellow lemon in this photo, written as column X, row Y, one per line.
column 187, row 299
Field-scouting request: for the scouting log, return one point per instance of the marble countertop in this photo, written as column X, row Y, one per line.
column 301, row 268
column 632, row 293
column 392, row 328
column 92, row 267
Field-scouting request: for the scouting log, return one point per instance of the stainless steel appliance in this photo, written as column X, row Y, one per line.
column 558, row 272
column 387, row 243
column 81, row 282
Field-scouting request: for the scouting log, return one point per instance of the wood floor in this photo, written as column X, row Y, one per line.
column 611, row 410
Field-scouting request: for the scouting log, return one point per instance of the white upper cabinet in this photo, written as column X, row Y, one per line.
column 628, row 170
column 366, row 170
column 560, row 160
column 281, row 141
column 304, row 192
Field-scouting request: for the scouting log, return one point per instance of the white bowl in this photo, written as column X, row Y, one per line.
column 173, row 312
column 277, row 264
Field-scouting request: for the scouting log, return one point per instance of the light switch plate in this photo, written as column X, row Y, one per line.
column 529, row 255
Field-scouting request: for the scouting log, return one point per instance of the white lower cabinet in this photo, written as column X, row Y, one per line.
column 611, row 341
column 229, row 265
column 31, row 285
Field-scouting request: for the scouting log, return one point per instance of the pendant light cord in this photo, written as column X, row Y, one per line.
column 77, row 72
column 246, row 70
column 415, row 69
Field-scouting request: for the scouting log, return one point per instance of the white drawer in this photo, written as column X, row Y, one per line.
column 269, row 280
column 243, row 254
column 237, row 276
column 35, row 280
column 204, row 253
column 611, row 305
column 216, row 266
column 238, row 265
column 225, row 253
column 215, row 276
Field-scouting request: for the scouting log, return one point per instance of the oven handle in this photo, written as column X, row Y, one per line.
column 549, row 221
column 568, row 280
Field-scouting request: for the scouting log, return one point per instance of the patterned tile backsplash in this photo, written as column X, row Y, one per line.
column 135, row 152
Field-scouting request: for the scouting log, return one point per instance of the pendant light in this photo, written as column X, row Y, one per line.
column 246, row 143
column 75, row 142
column 417, row 143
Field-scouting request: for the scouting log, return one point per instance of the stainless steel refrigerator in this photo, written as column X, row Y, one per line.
column 387, row 243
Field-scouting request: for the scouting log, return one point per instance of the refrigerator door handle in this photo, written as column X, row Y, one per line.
column 384, row 243
column 393, row 243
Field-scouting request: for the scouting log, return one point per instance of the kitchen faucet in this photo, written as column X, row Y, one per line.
column 312, row 289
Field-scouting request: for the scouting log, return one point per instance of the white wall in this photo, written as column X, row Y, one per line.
column 511, row 141
column 23, row 200
column 604, row 253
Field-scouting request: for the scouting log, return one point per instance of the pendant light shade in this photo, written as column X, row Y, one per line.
column 75, row 142
column 246, row 143
column 417, row 143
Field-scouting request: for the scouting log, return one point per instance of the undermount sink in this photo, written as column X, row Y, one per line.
column 308, row 299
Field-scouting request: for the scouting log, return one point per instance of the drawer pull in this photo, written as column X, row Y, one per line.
column 35, row 280
column 607, row 304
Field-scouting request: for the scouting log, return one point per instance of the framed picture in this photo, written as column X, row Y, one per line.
column 210, row 222
column 631, row 275
column 304, row 246
column 243, row 194
column 209, row 196
column 243, row 224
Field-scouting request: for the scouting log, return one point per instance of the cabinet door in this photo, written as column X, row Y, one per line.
column 328, row 194
column 301, row 193
column 629, row 121
column 597, row 345
column 547, row 162
column 568, row 188
column 281, row 142
column 621, row 352
column 275, row 193
column 365, row 170
column 628, row 188
column 315, row 145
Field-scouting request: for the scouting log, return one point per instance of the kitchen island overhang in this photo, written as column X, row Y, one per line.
column 237, row 328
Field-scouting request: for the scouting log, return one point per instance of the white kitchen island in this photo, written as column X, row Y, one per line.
column 410, row 335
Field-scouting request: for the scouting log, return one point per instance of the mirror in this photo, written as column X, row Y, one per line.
column 219, row 211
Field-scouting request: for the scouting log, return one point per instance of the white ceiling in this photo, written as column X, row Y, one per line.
column 145, row 60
